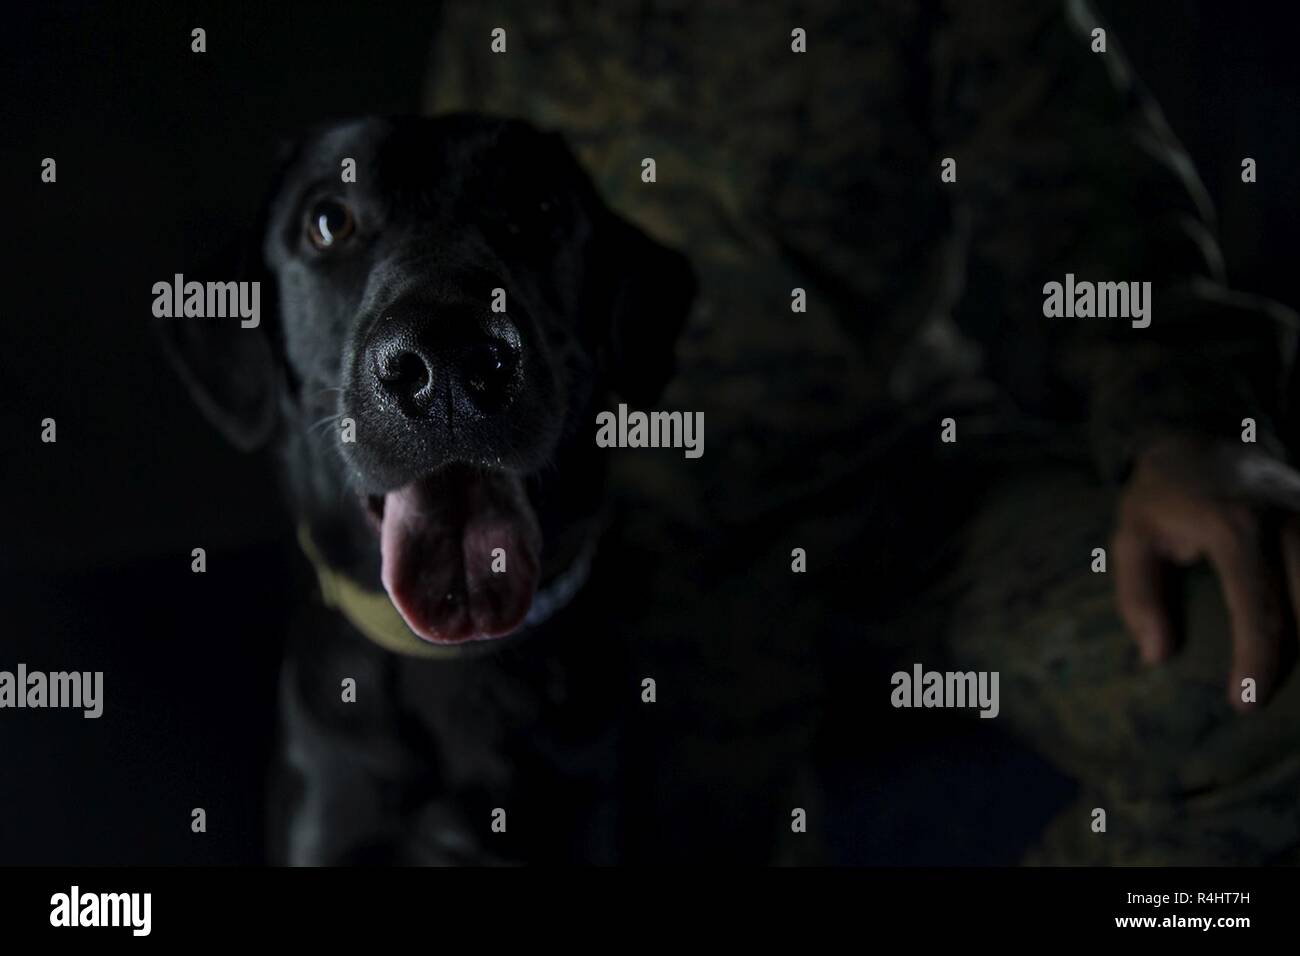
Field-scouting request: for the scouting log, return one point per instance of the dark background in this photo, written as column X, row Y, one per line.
column 163, row 156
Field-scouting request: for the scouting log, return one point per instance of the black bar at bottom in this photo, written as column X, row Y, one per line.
column 241, row 905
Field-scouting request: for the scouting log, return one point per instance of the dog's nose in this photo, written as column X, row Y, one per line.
column 406, row 374
column 430, row 366
column 484, row 370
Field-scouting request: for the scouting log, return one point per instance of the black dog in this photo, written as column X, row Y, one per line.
column 448, row 326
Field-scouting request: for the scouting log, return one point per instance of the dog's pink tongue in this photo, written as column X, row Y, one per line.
column 437, row 539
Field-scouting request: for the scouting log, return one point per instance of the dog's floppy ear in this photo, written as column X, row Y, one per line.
column 652, row 288
column 232, row 371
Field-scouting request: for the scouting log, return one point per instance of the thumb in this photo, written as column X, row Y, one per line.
column 1259, row 477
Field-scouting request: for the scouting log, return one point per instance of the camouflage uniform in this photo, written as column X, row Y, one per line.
column 821, row 170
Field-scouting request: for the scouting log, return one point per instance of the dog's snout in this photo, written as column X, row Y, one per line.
column 405, row 372
column 485, row 369
column 433, row 364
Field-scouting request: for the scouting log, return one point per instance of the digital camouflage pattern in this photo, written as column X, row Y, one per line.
column 821, row 170
column 1183, row 779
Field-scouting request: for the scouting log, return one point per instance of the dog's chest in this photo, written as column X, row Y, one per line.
column 526, row 744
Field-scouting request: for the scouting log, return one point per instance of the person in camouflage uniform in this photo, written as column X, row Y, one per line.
column 820, row 170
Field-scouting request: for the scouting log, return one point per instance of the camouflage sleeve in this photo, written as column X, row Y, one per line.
column 1065, row 165
column 564, row 71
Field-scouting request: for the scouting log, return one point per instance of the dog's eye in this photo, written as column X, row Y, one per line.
column 329, row 223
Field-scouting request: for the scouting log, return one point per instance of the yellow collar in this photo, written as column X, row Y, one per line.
column 372, row 613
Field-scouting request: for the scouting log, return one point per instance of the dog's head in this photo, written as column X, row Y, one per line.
column 444, row 324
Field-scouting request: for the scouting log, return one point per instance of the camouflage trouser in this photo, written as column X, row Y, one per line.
column 1183, row 779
